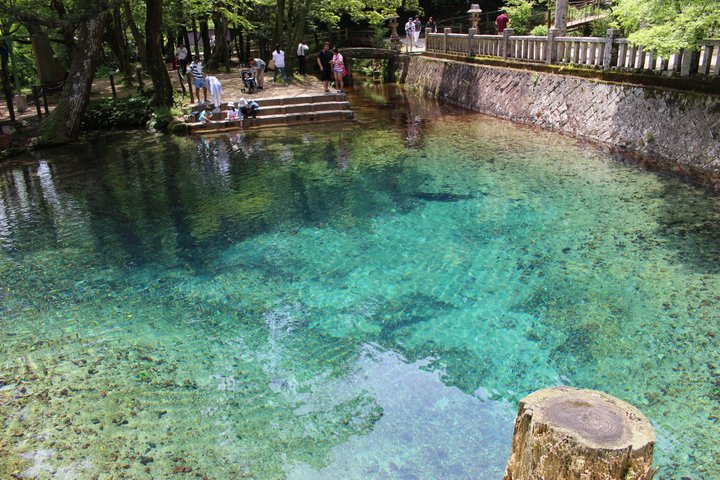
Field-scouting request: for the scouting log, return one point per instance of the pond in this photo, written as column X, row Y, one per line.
column 351, row 301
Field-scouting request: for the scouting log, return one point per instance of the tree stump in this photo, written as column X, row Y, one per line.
column 566, row 433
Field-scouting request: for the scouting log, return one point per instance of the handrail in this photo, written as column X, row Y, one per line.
column 609, row 52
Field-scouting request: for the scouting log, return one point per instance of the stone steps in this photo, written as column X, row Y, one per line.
column 282, row 112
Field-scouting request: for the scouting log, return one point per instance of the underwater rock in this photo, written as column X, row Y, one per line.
column 440, row 196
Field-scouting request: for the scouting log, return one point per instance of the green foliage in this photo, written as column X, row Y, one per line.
column 24, row 68
column 521, row 15
column 373, row 11
column 581, row 12
column 133, row 112
column 668, row 25
column 162, row 116
column 599, row 28
column 370, row 67
column 539, row 30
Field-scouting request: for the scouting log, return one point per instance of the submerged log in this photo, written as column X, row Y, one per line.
column 566, row 433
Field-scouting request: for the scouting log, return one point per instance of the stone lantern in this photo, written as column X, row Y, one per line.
column 394, row 37
column 474, row 15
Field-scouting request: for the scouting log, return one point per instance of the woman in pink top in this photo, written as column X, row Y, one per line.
column 338, row 67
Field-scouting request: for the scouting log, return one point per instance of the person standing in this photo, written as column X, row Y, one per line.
column 301, row 51
column 215, row 87
column 430, row 26
column 409, row 34
column 257, row 66
column 323, row 60
column 279, row 58
column 338, row 67
column 502, row 21
column 418, row 29
column 181, row 53
column 196, row 68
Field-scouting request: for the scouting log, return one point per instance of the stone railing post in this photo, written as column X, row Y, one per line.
column 446, row 31
column 690, row 62
column 590, row 433
column 611, row 50
column 471, row 33
column 550, row 47
column 505, row 43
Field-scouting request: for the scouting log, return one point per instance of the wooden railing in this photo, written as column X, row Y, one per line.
column 609, row 52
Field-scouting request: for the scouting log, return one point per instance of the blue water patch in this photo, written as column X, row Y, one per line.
column 353, row 301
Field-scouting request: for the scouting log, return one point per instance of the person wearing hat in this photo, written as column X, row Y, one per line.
column 232, row 113
column 409, row 34
column 248, row 108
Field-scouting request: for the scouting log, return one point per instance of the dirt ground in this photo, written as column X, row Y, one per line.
column 231, row 83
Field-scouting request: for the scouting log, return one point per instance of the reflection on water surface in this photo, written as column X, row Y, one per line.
column 353, row 301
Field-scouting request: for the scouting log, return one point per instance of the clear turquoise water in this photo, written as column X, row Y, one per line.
column 362, row 301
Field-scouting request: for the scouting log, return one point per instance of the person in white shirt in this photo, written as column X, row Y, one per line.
column 213, row 84
column 182, row 53
column 409, row 34
column 279, row 58
column 301, row 51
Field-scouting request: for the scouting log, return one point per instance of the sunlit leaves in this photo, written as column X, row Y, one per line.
column 668, row 25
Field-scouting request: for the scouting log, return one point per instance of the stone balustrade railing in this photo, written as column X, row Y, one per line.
column 609, row 52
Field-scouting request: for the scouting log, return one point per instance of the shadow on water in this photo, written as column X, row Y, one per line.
column 178, row 202
column 689, row 220
column 691, row 227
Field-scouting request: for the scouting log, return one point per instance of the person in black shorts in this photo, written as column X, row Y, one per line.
column 323, row 60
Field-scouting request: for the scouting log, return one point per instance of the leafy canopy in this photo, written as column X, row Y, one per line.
column 521, row 14
column 668, row 25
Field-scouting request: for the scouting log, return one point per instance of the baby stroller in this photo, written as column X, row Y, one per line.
column 249, row 82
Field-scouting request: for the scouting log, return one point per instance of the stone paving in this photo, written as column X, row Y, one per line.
column 232, row 87
column 231, row 83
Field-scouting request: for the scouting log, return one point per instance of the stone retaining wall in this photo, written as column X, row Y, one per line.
column 679, row 131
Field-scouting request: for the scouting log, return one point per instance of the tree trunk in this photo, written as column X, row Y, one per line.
column 137, row 35
column 68, row 31
column 279, row 23
column 205, row 35
column 183, row 36
column 154, row 56
column 46, row 62
column 570, row 434
column 115, row 38
column 5, row 81
column 238, row 45
column 169, row 49
column 297, row 15
column 219, row 53
column 63, row 124
column 561, row 14
column 196, row 38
